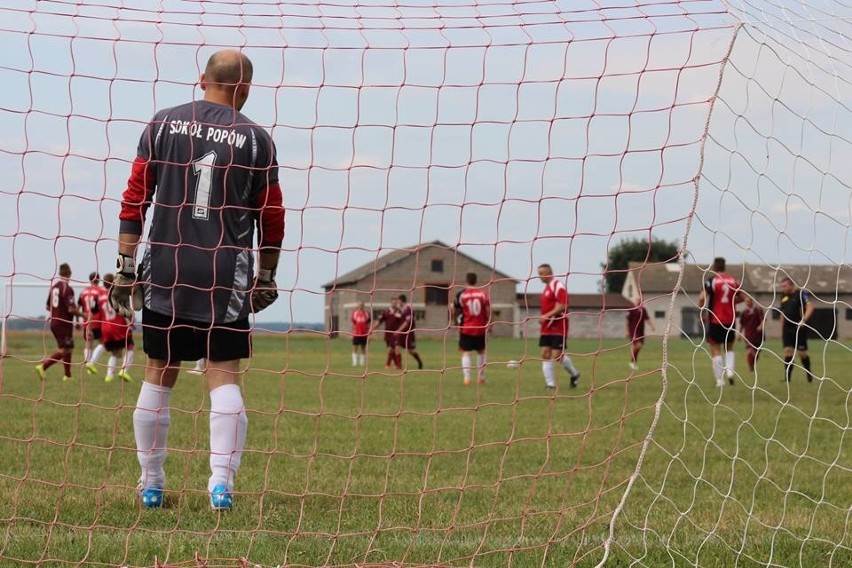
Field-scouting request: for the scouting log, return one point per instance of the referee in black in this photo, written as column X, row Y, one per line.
column 796, row 309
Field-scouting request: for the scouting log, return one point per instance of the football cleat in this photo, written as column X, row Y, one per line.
column 91, row 369
column 108, row 378
column 574, row 380
column 66, row 379
column 221, row 499
column 39, row 369
column 151, row 497
column 124, row 376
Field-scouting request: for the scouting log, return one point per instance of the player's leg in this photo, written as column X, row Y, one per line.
column 805, row 359
column 565, row 360
column 354, row 351
column 228, row 419
column 115, row 352
column 55, row 357
column 96, row 353
column 788, row 340
column 715, row 339
column 66, row 359
column 547, row 361
column 129, row 354
column 729, row 356
column 635, row 347
column 481, row 362
column 466, row 361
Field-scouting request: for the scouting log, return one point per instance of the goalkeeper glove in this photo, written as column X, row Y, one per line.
column 125, row 296
column 265, row 290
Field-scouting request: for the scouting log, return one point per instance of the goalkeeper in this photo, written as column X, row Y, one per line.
column 211, row 176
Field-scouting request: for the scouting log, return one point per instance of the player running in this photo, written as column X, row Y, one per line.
column 391, row 318
column 720, row 296
column 405, row 331
column 472, row 312
column 637, row 316
column 751, row 327
column 87, row 302
column 63, row 310
column 116, row 331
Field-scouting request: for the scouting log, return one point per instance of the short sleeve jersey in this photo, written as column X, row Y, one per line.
column 750, row 320
column 721, row 290
column 209, row 163
column 391, row 319
column 793, row 305
column 88, row 300
column 406, row 319
column 113, row 325
column 360, row 323
column 60, row 301
column 475, row 306
column 554, row 293
column 636, row 318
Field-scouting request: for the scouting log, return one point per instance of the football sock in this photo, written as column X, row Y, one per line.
column 66, row 364
column 151, row 421
column 354, row 359
column 788, row 367
column 547, row 369
column 717, row 369
column 729, row 361
column 480, row 365
column 96, row 353
column 418, row 359
column 568, row 365
column 466, row 367
column 55, row 357
column 128, row 359
column 362, row 359
column 111, row 363
column 806, row 363
column 228, row 426
column 86, row 353
column 398, row 360
column 752, row 357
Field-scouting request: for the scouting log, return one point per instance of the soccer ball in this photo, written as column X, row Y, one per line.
column 513, row 364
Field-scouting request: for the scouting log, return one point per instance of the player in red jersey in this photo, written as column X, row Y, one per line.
column 472, row 313
column 88, row 302
column 361, row 321
column 720, row 296
column 209, row 176
column 116, row 334
column 636, row 318
column 554, row 328
column 391, row 318
column 405, row 331
column 751, row 327
column 63, row 310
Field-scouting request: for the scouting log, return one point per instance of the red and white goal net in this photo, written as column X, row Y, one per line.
column 510, row 133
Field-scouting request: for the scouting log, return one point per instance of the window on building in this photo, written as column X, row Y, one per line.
column 437, row 295
column 419, row 315
column 849, row 313
column 659, row 314
column 437, row 265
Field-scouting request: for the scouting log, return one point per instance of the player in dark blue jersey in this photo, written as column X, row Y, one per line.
column 796, row 309
column 212, row 177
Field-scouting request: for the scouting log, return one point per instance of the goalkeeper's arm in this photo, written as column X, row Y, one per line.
column 270, row 222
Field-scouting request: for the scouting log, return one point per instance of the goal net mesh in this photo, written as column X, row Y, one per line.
column 418, row 142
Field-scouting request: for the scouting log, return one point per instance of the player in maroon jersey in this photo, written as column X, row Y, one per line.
column 471, row 311
column 63, row 310
column 210, row 177
column 554, row 328
column 636, row 318
column 391, row 318
column 751, row 327
column 720, row 295
column 405, row 331
column 361, row 321
column 87, row 303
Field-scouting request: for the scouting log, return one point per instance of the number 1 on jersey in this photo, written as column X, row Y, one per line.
column 203, row 168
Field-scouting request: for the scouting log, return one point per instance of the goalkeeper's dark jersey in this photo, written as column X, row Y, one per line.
column 211, row 174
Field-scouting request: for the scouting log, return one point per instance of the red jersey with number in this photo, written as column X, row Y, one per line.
column 88, row 302
column 475, row 306
column 114, row 326
column 555, row 293
column 361, row 323
column 60, row 302
column 721, row 291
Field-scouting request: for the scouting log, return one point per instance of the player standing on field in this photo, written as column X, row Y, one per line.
column 796, row 309
column 60, row 304
column 720, row 296
column 116, row 334
column 361, row 321
column 554, row 328
column 472, row 312
column 88, row 302
column 636, row 318
column 751, row 327
column 391, row 318
column 212, row 176
column 405, row 331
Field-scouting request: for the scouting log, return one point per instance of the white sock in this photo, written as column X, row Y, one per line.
column 86, row 353
column 128, row 359
column 729, row 363
column 717, row 369
column 96, row 354
column 466, row 364
column 151, row 421
column 362, row 359
column 568, row 365
column 480, row 365
column 228, row 426
column 354, row 359
column 547, row 369
column 113, row 361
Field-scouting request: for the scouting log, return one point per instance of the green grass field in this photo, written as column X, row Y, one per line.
column 346, row 468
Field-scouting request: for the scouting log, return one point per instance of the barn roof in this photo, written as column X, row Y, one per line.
column 394, row 256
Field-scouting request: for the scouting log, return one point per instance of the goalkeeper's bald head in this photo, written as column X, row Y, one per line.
column 227, row 77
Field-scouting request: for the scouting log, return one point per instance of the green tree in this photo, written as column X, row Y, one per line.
column 635, row 250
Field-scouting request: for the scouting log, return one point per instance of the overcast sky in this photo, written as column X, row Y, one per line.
column 523, row 132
